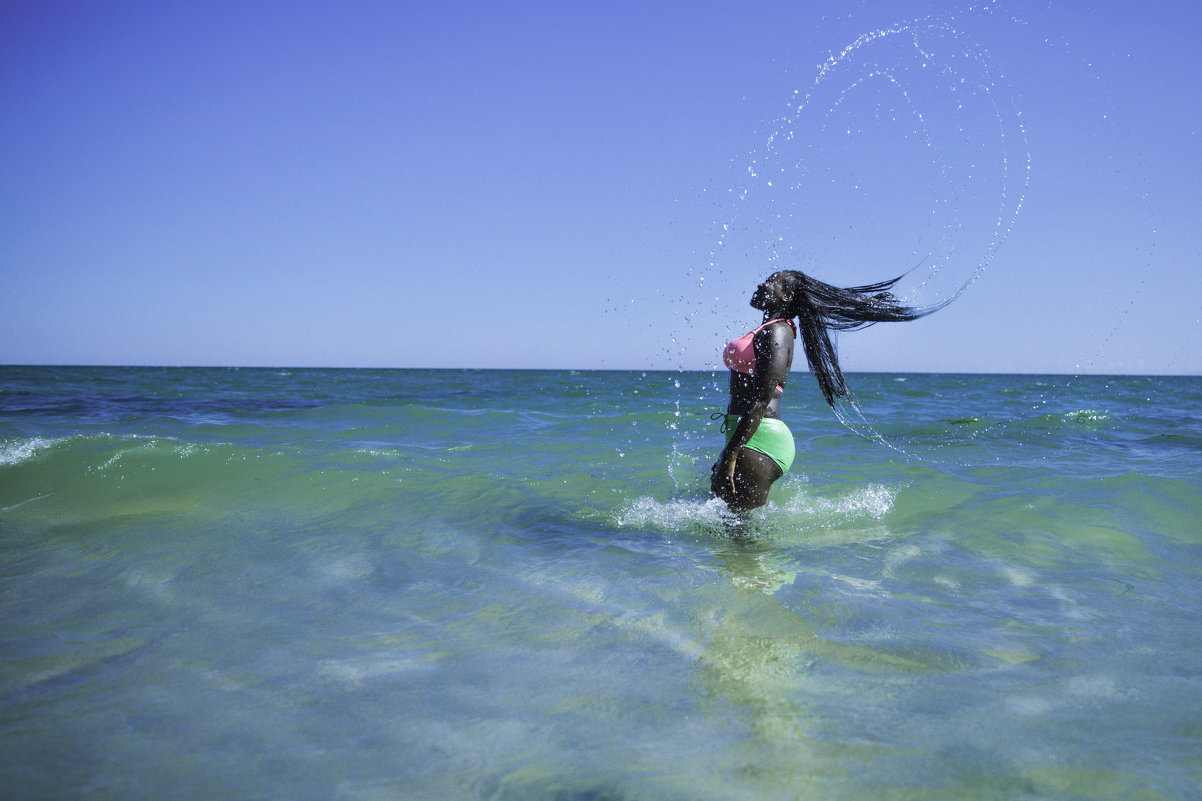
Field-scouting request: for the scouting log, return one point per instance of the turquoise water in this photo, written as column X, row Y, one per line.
column 341, row 584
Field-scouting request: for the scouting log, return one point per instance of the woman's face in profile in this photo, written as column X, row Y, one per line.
column 770, row 294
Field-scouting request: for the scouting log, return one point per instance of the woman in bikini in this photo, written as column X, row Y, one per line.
column 759, row 446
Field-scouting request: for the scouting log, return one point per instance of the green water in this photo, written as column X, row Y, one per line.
column 342, row 584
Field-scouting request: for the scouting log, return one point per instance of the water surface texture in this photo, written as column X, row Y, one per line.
column 356, row 584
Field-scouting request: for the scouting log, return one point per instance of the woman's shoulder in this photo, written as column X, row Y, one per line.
column 773, row 337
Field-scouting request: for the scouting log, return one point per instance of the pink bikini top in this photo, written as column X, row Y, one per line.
column 740, row 354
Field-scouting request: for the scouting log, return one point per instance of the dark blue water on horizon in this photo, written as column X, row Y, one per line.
column 412, row 584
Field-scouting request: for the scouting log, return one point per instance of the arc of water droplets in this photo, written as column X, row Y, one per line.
column 914, row 29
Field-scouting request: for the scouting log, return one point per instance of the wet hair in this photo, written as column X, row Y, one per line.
column 821, row 308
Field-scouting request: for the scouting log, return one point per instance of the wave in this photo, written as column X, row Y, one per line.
column 15, row 452
column 97, row 477
column 1046, row 430
column 1185, row 442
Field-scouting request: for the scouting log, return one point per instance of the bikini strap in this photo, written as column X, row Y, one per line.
column 788, row 320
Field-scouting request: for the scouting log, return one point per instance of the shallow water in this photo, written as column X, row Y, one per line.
column 512, row 585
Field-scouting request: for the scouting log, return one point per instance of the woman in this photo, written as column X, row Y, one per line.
column 759, row 447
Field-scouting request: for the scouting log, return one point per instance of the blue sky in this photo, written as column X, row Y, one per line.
column 585, row 185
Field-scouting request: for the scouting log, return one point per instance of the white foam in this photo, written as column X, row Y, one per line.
column 872, row 501
column 676, row 514
column 14, row 453
column 801, row 510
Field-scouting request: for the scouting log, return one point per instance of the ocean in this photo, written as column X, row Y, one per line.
column 474, row 584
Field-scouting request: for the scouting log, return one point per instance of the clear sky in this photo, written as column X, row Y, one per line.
column 596, row 185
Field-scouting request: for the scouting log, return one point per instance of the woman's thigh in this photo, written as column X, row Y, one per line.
column 754, row 475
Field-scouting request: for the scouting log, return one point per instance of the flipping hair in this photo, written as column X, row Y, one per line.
column 821, row 308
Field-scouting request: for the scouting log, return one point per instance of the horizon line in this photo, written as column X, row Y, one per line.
column 99, row 366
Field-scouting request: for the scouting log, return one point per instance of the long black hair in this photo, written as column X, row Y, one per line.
column 821, row 308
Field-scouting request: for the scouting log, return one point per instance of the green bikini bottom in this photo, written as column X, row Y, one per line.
column 772, row 438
